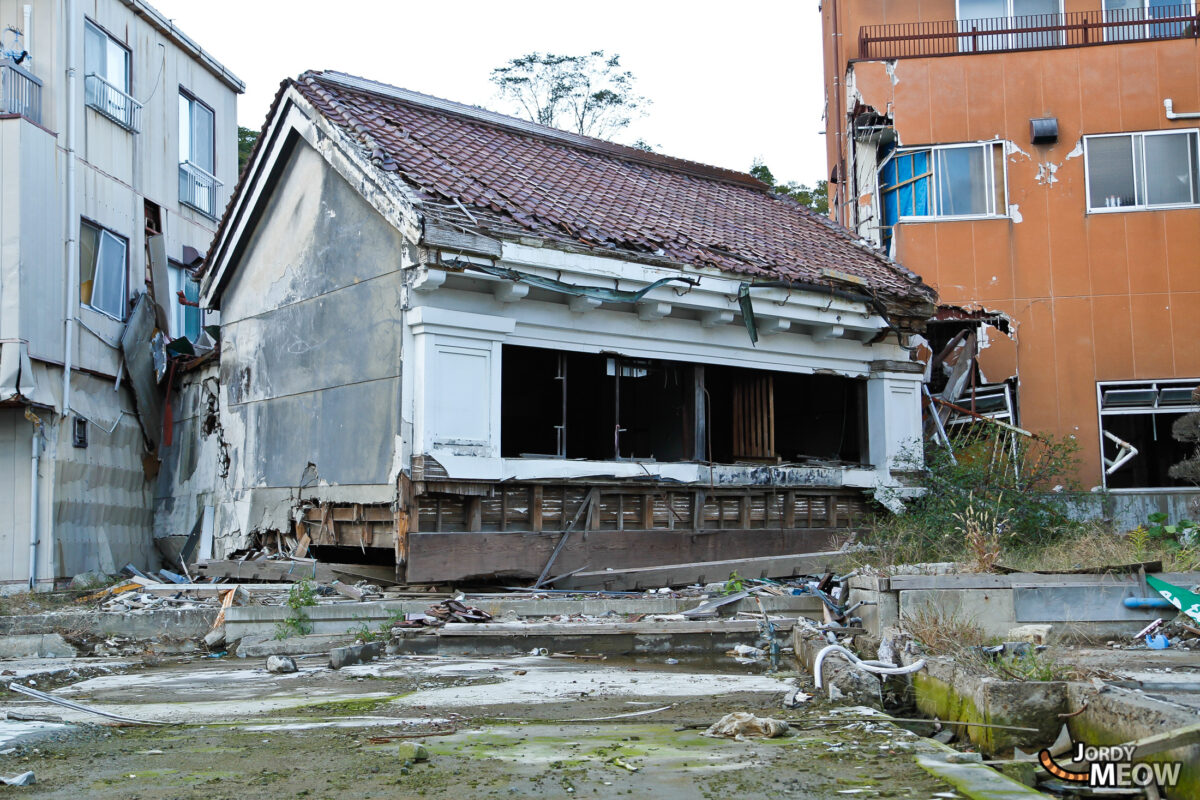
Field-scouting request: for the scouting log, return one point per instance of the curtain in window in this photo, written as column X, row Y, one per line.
column 89, row 242
column 1170, row 169
column 202, row 137
column 962, row 181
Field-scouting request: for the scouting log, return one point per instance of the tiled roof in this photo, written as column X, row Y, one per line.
column 507, row 177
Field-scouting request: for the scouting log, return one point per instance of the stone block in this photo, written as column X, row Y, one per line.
column 355, row 654
column 45, row 645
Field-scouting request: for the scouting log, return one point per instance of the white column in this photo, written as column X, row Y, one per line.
column 894, row 416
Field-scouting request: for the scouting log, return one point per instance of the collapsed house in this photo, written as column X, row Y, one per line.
column 450, row 336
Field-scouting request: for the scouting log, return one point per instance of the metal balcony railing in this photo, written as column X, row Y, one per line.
column 1032, row 32
column 112, row 102
column 20, row 92
column 198, row 188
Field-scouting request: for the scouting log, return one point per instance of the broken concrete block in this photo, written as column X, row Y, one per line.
column 855, row 686
column 280, row 665
column 413, row 751
column 215, row 638
column 90, row 580
column 45, row 645
column 263, row 645
column 355, row 654
column 1034, row 634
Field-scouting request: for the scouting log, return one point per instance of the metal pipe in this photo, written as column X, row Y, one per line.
column 34, row 461
column 71, row 301
column 1171, row 114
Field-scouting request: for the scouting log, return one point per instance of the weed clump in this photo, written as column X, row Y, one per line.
column 302, row 595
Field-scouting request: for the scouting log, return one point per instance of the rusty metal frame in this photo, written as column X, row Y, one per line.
column 1073, row 29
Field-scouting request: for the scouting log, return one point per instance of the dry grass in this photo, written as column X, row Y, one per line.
column 941, row 632
column 35, row 603
column 1098, row 545
column 980, row 530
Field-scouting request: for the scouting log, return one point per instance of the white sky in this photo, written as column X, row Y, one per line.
column 729, row 81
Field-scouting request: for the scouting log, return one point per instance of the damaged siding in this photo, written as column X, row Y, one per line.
column 1095, row 296
column 310, row 351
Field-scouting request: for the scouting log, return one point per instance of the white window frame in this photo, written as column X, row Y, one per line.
column 107, row 236
column 102, row 92
column 989, row 165
column 196, row 177
column 1008, row 14
column 179, row 276
column 1155, row 385
column 1139, row 188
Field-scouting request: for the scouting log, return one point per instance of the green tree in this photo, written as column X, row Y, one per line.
column 816, row 197
column 246, row 140
column 590, row 94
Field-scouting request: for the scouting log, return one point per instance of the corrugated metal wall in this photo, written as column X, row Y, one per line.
column 103, row 503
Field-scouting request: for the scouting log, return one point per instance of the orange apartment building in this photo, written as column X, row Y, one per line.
column 1036, row 162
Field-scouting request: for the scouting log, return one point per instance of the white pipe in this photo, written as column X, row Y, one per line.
column 26, row 42
column 72, row 288
column 1169, row 106
column 874, row 667
column 33, row 507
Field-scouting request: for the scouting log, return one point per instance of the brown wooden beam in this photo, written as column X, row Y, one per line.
column 436, row 557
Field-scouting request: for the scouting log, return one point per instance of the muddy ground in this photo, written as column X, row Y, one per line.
column 524, row 727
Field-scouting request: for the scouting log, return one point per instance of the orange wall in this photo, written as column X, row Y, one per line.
column 1096, row 297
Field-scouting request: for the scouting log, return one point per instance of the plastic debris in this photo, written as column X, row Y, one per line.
column 24, row 779
column 741, row 725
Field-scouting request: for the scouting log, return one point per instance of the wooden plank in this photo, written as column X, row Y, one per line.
column 302, row 545
column 459, row 241
column 486, row 555
column 294, row 571
column 789, row 509
column 648, row 511
column 706, row 572
column 602, row 628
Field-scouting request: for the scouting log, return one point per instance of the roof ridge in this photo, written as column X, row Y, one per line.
column 488, row 117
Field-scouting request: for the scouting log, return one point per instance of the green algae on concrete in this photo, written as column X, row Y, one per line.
column 977, row 781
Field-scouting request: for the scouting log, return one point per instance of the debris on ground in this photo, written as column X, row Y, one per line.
column 741, row 725
column 24, row 779
column 280, row 665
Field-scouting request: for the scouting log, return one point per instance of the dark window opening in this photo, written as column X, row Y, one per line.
column 1140, row 417
column 1157, row 450
column 606, row 407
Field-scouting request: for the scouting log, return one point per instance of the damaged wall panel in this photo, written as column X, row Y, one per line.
column 310, row 350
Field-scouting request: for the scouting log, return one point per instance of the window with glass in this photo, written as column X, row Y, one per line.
column 197, row 156
column 1137, row 19
column 946, row 181
column 103, row 270
column 1131, row 171
column 989, row 24
column 107, row 76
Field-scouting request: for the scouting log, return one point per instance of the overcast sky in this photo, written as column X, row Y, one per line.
column 729, row 81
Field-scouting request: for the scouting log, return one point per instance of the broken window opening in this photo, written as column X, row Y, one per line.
column 1138, row 417
column 607, row 407
column 955, row 338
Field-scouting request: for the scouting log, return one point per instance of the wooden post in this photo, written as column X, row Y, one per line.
column 535, row 508
column 474, row 515
column 648, row 511
column 789, row 509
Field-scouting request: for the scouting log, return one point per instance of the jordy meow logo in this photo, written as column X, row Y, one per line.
column 1112, row 767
